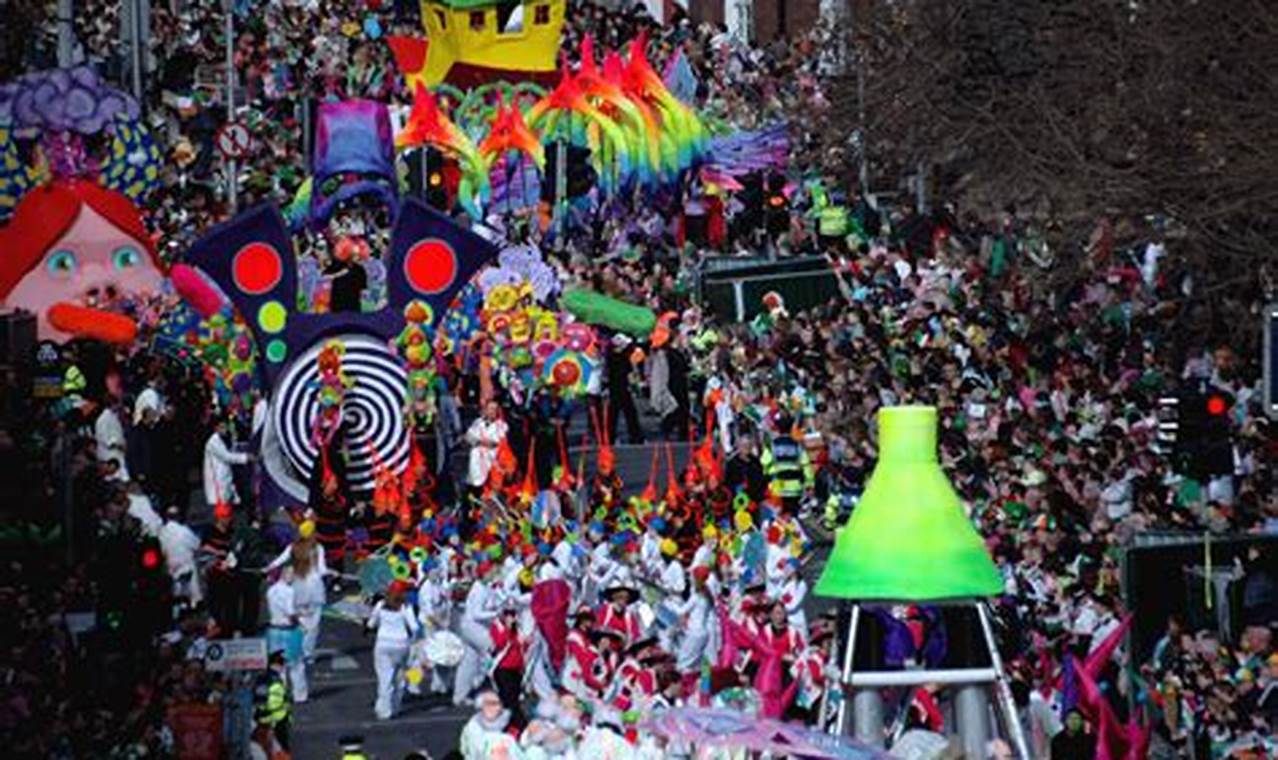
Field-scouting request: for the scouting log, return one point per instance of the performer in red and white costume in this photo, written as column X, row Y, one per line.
column 618, row 613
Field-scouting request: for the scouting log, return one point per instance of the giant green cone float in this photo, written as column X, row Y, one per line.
column 908, row 539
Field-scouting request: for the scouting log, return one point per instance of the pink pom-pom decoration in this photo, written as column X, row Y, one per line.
column 196, row 290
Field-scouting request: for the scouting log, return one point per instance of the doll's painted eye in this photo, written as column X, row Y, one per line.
column 126, row 257
column 62, row 264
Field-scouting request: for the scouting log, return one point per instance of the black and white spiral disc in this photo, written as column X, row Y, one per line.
column 373, row 409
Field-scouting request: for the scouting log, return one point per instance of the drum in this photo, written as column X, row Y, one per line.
column 444, row 648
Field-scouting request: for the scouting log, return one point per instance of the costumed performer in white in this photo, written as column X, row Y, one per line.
column 306, row 558
column 283, row 634
column 396, row 627
column 483, row 602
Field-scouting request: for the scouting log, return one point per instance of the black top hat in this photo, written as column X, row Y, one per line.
column 632, row 594
column 601, row 633
column 654, row 656
column 636, row 648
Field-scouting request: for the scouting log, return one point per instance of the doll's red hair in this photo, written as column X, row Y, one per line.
column 46, row 213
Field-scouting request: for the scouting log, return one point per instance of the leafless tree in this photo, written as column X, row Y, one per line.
column 1088, row 109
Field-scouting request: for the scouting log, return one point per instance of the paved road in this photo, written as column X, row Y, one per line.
column 343, row 685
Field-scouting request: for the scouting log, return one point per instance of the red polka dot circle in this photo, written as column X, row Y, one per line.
column 257, row 268
column 430, row 266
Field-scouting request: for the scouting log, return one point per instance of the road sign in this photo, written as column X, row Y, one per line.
column 236, row 654
column 233, row 140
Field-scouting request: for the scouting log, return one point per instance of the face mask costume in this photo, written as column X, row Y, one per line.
column 427, row 260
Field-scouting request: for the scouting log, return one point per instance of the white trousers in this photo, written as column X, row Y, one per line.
column 309, row 618
column 478, row 644
column 297, row 681
column 389, row 661
column 467, row 676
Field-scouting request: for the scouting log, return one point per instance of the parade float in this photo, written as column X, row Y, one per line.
column 75, row 252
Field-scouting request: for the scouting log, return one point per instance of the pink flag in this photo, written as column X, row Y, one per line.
column 550, row 601
column 1114, row 741
column 728, row 648
column 1095, row 661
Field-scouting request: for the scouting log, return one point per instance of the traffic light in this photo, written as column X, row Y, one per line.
column 150, row 559
column 152, row 591
column 1196, row 425
column 1218, row 442
column 581, row 175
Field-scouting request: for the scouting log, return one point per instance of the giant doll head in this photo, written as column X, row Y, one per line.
column 72, row 254
column 75, row 251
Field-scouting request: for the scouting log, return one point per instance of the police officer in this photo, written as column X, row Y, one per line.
column 270, row 699
column 787, row 467
column 352, row 748
column 831, row 214
column 839, row 484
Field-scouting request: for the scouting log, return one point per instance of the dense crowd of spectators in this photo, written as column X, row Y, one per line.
column 95, row 657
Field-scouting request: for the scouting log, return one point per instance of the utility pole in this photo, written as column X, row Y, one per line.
column 561, row 191
column 133, row 32
column 232, row 170
column 863, row 169
column 66, row 33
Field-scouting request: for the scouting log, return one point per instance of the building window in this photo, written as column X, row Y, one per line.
column 442, row 18
column 510, row 17
column 541, row 16
column 477, row 21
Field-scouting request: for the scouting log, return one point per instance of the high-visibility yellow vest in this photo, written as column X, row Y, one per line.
column 786, row 465
column 832, row 221
column 272, row 706
column 73, row 380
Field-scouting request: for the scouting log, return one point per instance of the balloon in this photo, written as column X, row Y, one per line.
column 578, row 337
column 544, row 349
column 566, row 372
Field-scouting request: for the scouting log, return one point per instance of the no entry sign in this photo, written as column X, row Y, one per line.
column 233, row 141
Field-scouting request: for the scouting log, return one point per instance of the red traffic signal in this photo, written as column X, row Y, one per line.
column 1216, row 405
column 150, row 558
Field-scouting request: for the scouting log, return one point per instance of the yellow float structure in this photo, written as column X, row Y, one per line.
column 471, row 42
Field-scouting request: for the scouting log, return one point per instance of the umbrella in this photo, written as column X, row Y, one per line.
column 737, row 730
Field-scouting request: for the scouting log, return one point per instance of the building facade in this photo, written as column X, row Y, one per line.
column 763, row 21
